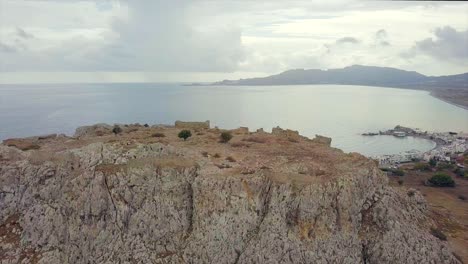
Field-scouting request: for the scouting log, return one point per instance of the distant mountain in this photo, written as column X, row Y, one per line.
column 358, row 75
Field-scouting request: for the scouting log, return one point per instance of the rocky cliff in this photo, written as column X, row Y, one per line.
column 145, row 196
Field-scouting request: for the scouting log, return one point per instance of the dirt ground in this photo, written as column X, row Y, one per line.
column 447, row 206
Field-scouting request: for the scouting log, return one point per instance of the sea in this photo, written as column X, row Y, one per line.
column 337, row 111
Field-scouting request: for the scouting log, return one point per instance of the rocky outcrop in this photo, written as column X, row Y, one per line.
column 93, row 131
column 163, row 203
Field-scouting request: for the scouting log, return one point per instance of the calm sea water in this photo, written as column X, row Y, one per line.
column 340, row 112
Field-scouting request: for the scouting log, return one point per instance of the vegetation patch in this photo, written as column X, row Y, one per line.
column 184, row 134
column 116, row 130
column 158, row 135
column 422, row 167
column 442, row 180
column 438, row 233
column 444, row 166
column 226, row 136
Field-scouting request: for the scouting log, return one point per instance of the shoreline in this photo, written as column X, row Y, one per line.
column 431, row 93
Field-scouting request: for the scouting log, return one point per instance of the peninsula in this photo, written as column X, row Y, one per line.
column 190, row 193
column 452, row 88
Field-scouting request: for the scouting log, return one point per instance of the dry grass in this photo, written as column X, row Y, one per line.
column 255, row 139
column 158, row 135
column 239, row 144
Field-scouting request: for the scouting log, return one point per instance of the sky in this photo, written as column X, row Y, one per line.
column 48, row 41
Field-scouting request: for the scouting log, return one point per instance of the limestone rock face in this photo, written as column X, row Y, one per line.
column 157, row 203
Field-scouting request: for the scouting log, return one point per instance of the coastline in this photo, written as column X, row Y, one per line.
column 431, row 93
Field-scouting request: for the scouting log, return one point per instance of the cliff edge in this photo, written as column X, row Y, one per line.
column 146, row 196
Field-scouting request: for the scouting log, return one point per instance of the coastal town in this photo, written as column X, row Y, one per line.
column 450, row 147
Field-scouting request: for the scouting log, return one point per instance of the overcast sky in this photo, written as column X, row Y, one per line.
column 148, row 40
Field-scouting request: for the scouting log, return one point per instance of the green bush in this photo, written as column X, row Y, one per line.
column 444, row 166
column 185, row 134
column 400, row 182
column 422, row 167
column 459, row 172
column 226, row 136
column 432, row 162
column 398, row 172
column 116, row 130
column 442, row 180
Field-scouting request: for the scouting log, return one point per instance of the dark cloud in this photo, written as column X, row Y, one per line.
column 344, row 40
column 448, row 44
column 6, row 48
column 381, row 38
column 23, row 34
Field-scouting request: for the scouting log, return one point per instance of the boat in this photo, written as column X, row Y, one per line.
column 399, row 134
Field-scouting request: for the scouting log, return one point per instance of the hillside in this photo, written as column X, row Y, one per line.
column 146, row 196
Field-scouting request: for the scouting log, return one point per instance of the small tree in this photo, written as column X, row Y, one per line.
column 185, row 134
column 226, row 136
column 442, row 180
column 116, row 130
column 432, row 162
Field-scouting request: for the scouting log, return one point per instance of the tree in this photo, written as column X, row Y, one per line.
column 432, row 162
column 185, row 134
column 226, row 136
column 442, row 180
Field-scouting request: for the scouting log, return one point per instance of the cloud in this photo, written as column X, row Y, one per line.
column 151, row 36
column 381, row 38
column 345, row 40
column 160, row 35
column 448, row 44
column 23, row 34
column 6, row 48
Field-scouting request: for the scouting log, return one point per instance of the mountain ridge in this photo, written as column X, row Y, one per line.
column 355, row 74
column 451, row 88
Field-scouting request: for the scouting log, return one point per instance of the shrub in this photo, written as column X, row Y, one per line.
column 185, row 134
column 462, row 197
column 158, row 134
column 438, row 233
column 459, row 172
column 442, row 180
column 400, row 182
column 432, row 162
column 226, row 136
column 204, row 153
column 117, row 130
column 216, row 155
column 422, row 167
column 398, row 172
column 444, row 166
column 146, row 125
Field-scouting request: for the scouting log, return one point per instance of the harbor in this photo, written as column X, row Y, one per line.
column 449, row 146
